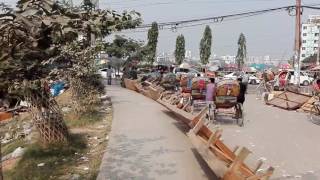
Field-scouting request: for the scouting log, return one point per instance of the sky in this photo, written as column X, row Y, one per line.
column 268, row 34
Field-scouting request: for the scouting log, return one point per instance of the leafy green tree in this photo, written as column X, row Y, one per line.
column 88, row 5
column 180, row 50
column 242, row 51
column 311, row 59
column 205, row 46
column 34, row 47
column 123, row 48
column 153, row 34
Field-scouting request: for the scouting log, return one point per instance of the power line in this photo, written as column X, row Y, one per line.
column 183, row 1
column 218, row 19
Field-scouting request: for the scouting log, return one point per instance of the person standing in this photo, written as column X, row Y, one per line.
column 109, row 75
column 210, row 97
column 245, row 79
column 243, row 88
column 211, row 90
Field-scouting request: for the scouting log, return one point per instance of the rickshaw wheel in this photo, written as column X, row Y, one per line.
column 239, row 114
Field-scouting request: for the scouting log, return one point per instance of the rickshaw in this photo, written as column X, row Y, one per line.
column 315, row 108
column 266, row 84
column 226, row 98
column 282, row 80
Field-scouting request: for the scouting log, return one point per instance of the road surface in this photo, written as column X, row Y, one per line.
column 284, row 139
column 147, row 142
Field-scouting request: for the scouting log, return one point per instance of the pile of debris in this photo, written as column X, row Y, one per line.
column 227, row 164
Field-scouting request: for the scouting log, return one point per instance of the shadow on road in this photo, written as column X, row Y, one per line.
column 207, row 170
column 184, row 129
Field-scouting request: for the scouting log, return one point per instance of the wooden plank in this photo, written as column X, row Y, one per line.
column 233, row 172
column 214, row 138
column 258, row 166
column 223, row 157
column 130, row 84
column 244, row 152
column 198, row 126
column 183, row 115
column 225, row 154
column 207, row 143
column 309, row 104
column 289, row 100
column 264, row 176
column 200, row 115
column 187, row 104
column 235, row 149
column 218, row 166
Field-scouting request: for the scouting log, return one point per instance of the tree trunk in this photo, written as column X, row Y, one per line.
column 48, row 119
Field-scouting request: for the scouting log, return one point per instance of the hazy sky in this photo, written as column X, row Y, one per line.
column 269, row 34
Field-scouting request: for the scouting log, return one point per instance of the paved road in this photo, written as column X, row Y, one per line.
column 146, row 142
column 286, row 139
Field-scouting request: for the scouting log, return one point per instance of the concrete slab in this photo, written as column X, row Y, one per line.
column 287, row 140
column 147, row 142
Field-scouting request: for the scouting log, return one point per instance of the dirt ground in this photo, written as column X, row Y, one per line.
column 286, row 140
column 84, row 163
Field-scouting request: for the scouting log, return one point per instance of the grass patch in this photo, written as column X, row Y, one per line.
column 10, row 147
column 96, row 162
column 88, row 118
column 56, row 157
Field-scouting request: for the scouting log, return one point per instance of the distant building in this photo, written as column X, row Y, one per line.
column 229, row 59
column 310, row 36
column 188, row 54
column 164, row 59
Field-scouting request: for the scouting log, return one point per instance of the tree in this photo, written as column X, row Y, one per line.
column 242, row 51
column 180, row 49
column 153, row 34
column 121, row 49
column 205, row 46
column 33, row 43
column 88, row 5
column 311, row 59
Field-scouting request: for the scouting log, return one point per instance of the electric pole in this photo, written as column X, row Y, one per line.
column 318, row 54
column 297, row 43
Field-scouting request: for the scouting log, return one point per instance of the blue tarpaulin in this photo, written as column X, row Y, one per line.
column 57, row 87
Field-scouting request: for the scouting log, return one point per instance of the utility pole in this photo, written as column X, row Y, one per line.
column 297, row 44
column 318, row 54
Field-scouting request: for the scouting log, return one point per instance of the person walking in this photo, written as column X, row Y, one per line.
column 109, row 75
